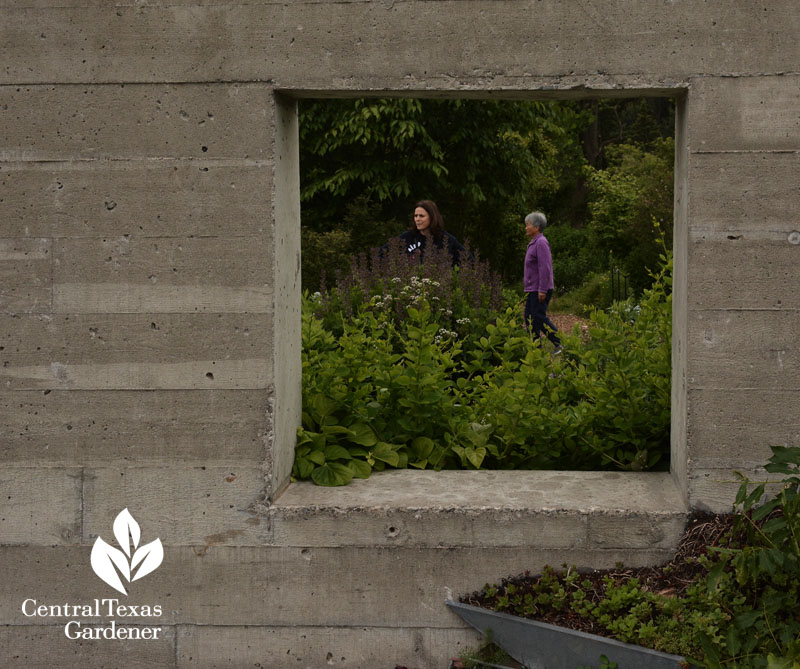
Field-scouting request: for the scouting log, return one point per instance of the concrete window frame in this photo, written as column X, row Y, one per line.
column 409, row 487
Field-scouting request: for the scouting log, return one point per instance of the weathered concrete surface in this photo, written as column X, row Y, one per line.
column 286, row 351
column 278, row 586
column 25, row 520
column 744, row 191
column 324, row 45
column 21, row 259
column 745, row 113
column 44, row 647
column 722, row 425
column 553, row 510
column 134, row 427
column 162, row 275
column 128, row 122
column 311, row 647
column 742, row 249
column 222, row 647
column 136, row 351
column 765, row 349
column 762, row 261
column 197, row 506
column 92, row 199
column 679, row 443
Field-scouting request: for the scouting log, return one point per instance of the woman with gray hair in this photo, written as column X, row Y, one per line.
column 538, row 280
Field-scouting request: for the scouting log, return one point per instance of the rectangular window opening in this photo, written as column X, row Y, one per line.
column 603, row 169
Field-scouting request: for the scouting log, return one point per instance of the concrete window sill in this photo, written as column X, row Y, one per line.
column 545, row 509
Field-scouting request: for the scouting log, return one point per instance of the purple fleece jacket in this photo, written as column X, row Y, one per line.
column 538, row 276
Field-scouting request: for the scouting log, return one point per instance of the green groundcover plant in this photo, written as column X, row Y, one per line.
column 740, row 609
column 424, row 372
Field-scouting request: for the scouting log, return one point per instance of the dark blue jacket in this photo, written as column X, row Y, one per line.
column 415, row 242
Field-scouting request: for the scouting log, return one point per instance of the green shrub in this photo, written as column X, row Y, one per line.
column 323, row 254
column 328, row 251
column 756, row 583
column 626, row 199
column 387, row 282
column 574, row 257
column 593, row 293
column 394, row 387
column 366, row 406
column 742, row 609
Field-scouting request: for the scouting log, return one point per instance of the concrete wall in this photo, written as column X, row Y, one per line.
column 149, row 269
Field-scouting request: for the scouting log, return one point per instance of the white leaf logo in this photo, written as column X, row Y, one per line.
column 125, row 530
column 110, row 563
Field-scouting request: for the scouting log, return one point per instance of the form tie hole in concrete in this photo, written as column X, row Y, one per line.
column 392, row 531
column 794, row 237
column 306, row 553
column 210, row 376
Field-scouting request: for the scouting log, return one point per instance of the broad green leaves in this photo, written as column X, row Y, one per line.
column 627, row 198
column 758, row 582
column 741, row 608
column 398, row 394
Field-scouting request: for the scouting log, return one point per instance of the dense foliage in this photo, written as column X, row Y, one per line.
column 388, row 281
column 405, row 381
column 600, row 169
column 741, row 609
column 481, row 161
column 626, row 199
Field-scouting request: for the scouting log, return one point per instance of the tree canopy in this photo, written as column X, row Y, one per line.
column 366, row 161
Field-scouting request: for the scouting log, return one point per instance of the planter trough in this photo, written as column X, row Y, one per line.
column 540, row 645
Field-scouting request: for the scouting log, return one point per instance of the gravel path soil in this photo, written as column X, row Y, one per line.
column 703, row 530
column 565, row 322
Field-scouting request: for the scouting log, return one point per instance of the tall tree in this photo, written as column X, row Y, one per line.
column 365, row 161
column 484, row 162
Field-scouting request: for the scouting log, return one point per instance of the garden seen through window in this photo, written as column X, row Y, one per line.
column 428, row 365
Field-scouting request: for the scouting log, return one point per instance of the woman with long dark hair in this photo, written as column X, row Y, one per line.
column 427, row 227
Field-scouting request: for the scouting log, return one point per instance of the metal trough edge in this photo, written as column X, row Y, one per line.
column 540, row 645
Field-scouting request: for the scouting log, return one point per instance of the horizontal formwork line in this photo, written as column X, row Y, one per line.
column 129, row 237
column 134, row 236
column 73, row 312
column 139, row 82
column 377, row 548
column 180, row 5
column 47, row 391
column 722, row 152
column 742, row 389
column 81, row 163
column 184, row 464
column 746, row 309
column 565, row 83
column 535, row 87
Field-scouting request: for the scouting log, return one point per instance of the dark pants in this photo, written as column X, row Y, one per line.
column 536, row 317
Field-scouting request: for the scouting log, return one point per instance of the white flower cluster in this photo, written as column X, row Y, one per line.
column 444, row 335
column 416, row 282
column 381, row 302
column 415, row 291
